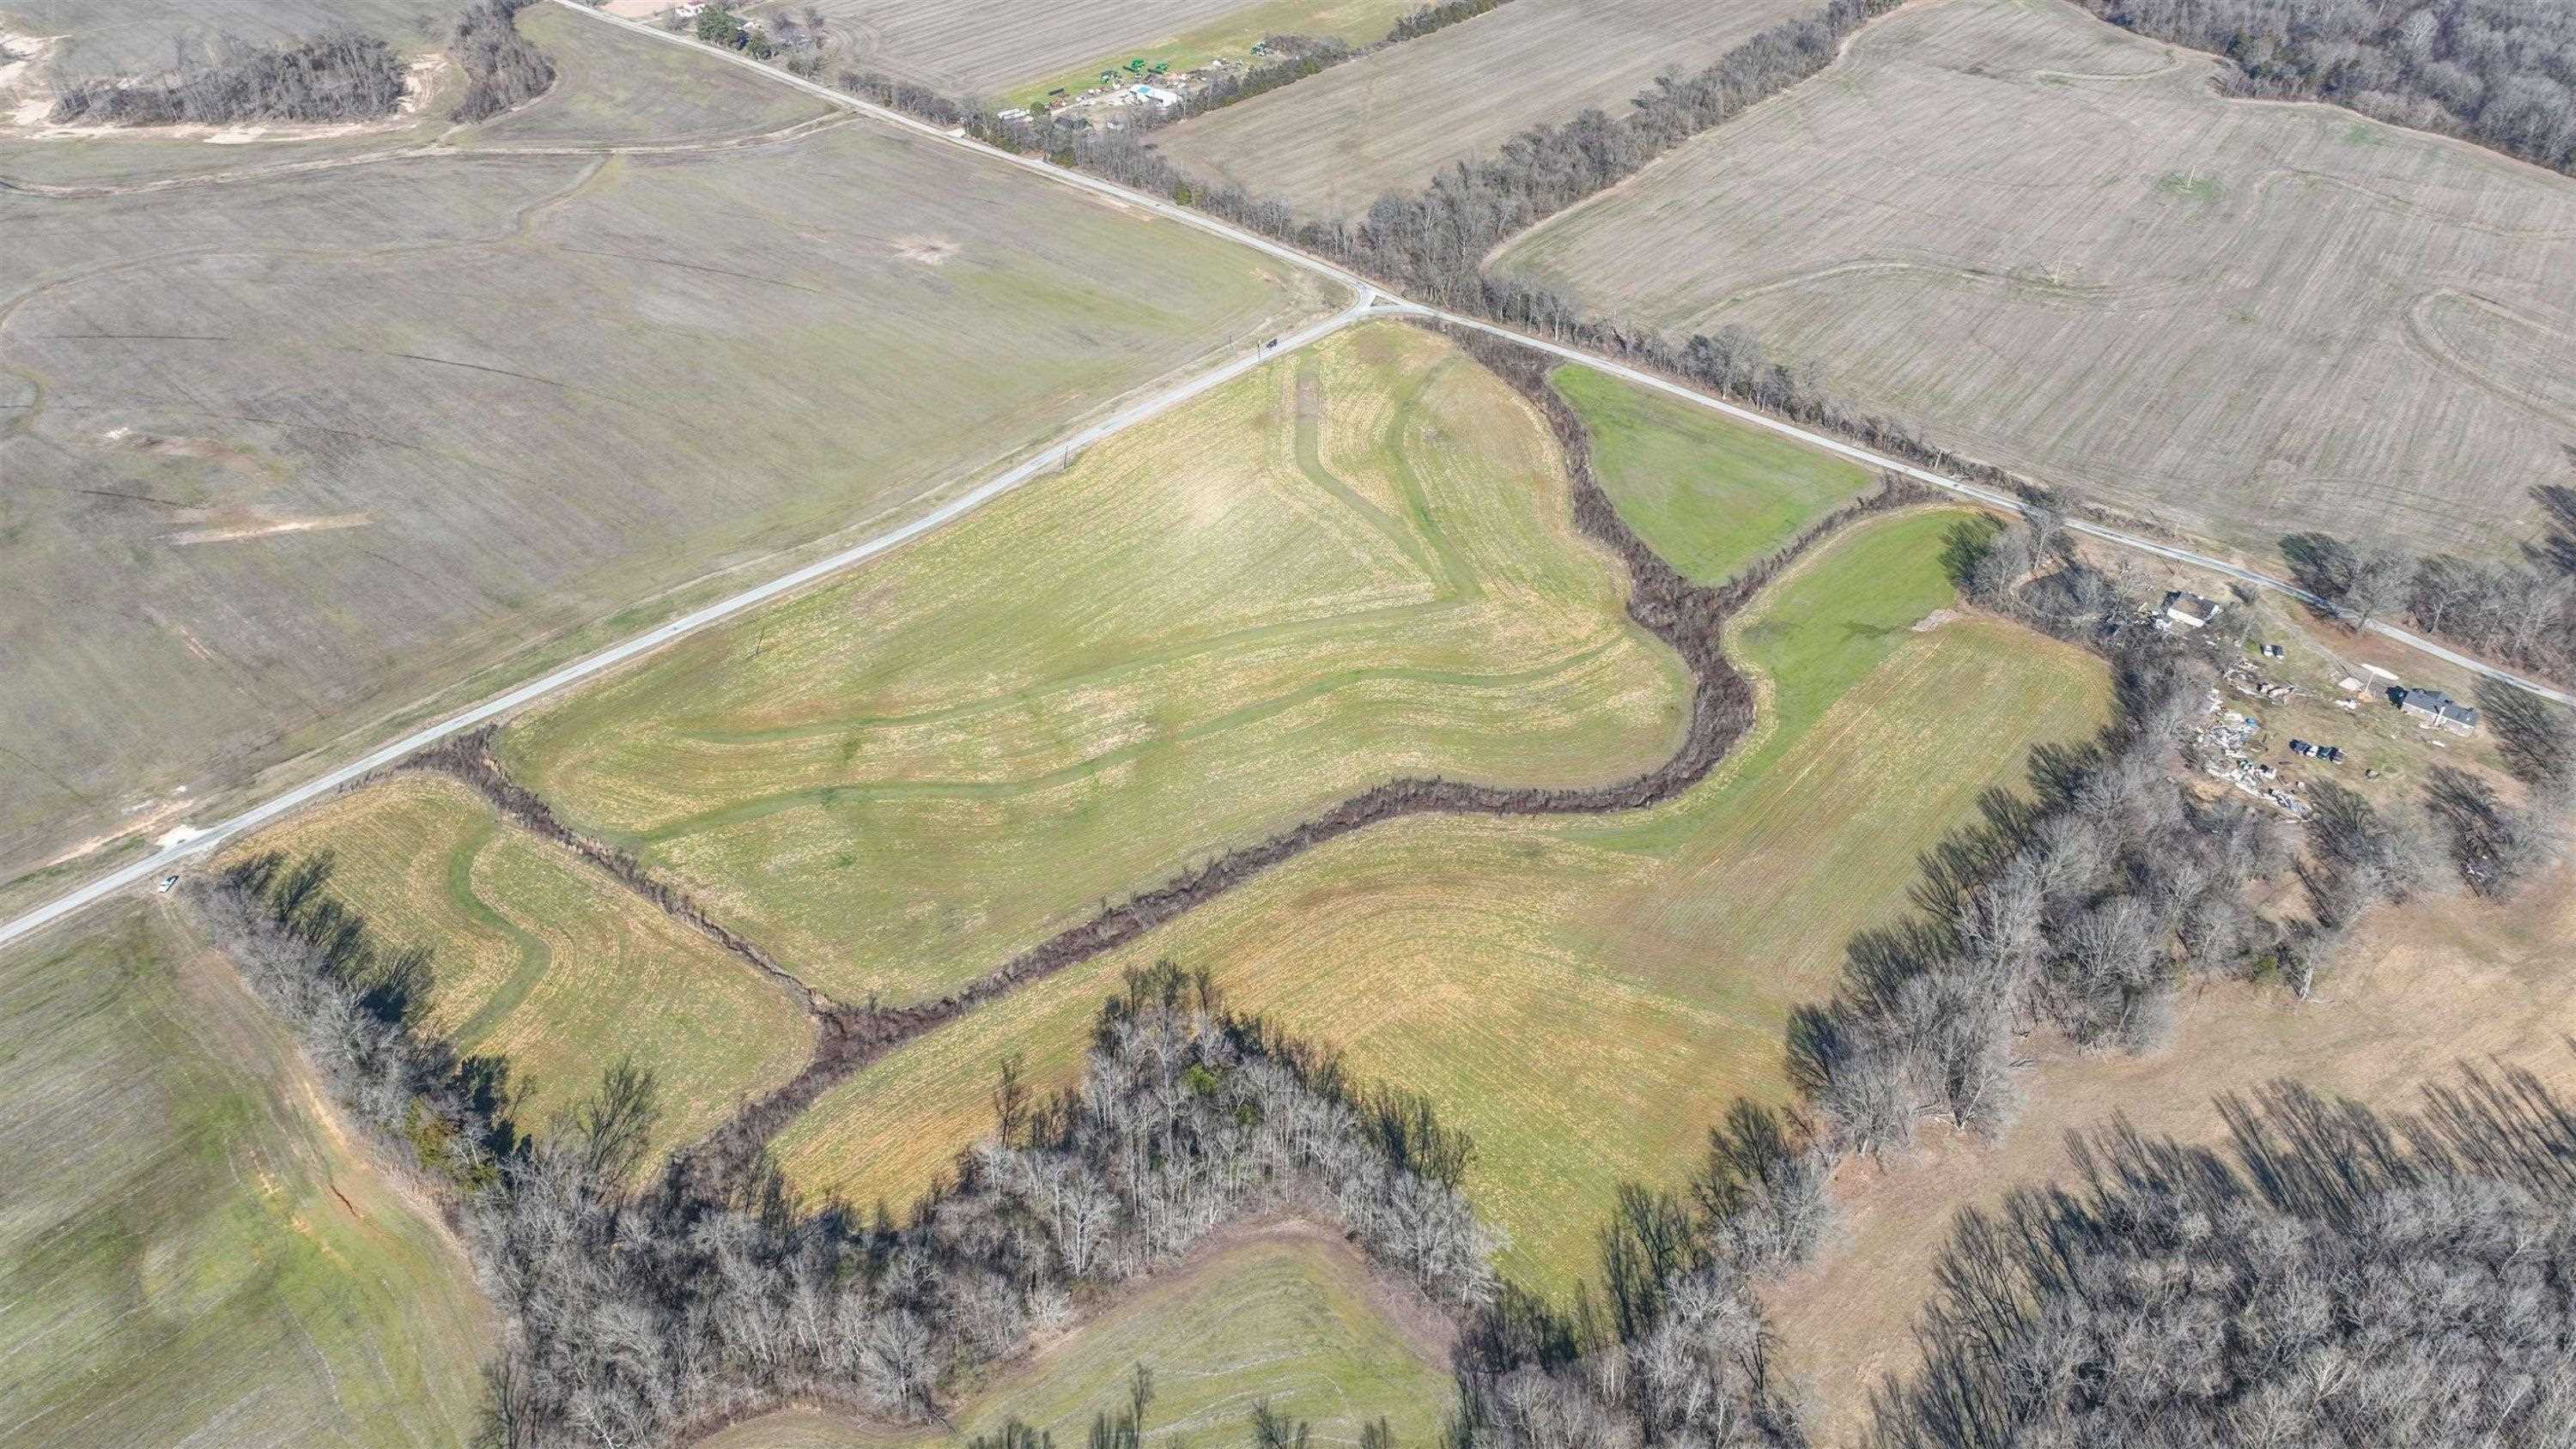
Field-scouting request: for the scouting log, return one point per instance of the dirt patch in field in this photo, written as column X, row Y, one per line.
column 231, row 525
column 930, row 251
column 1934, row 620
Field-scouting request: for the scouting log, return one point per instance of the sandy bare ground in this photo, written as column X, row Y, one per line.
column 1332, row 144
column 2420, row 989
column 2052, row 244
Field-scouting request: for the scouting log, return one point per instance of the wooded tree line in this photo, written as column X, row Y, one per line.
column 1673, row 1349
column 2522, row 613
column 338, row 76
column 2334, row 1279
column 502, row 67
column 2500, row 72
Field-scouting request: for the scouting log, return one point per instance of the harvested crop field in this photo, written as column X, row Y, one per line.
column 128, row 37
column 1586, row 996
column 1007, row 50
column 1353, row 564
column 612, row 87
column 1333, row 143
column 2051, row 244
column 194, row 1249
column 2419, row 989
column 1282, row 1310
column 322, row 452
column 540, row 958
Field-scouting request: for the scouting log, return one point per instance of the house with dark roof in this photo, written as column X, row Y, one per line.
column 2436, row 708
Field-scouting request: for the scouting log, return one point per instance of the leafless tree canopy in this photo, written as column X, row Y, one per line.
column 340, row 76
column 2501, row 72
column 2335, row 1279
column 502, row 67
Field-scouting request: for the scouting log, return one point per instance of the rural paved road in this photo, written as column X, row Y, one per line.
column 1055, row 455
column 1391, row 304
column 1372, row 301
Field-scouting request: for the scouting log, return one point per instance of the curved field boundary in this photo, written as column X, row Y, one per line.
column 1688, row 617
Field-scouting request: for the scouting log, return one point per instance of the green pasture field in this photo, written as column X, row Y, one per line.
column 323, row 453
column 545, row 961
column 1350, row 565
column 1285, row 1312
column 192, row 1248
column 1586, row 996
column 1707, row 494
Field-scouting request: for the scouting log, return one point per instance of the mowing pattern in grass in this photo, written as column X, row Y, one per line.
column 1349, row 566
column 2049, row 243
column 544, row 961
column 1587, row 995
column 1334, row 143
column 303, row 451
column 189, row 1253
column 1287, row 1312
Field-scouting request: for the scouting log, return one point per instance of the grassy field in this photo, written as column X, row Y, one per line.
column 1708, row 495
column 2419, row 989
column 1334, row 143
column 191, row 1250
column 2049, row 243
column 1586, row 996
column 1282, row 1311
column 1352, row 564
column 545, row 961
column 321, row 450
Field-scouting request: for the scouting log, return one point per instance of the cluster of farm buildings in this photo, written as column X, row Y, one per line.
column 1140, row 83
column 2229, row 747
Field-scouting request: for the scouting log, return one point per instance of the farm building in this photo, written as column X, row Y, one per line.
column 2189, row 609
column 2439, row 709
column 1156, row 96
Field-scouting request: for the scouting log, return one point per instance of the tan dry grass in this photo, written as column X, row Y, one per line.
column 543, row 960
column 1585, row 996
column 1331, row 144
column 2050, row 244
column 2419, row 989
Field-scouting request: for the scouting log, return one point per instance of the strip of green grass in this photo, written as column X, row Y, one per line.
column 1229, row 37
column 1707, row 494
